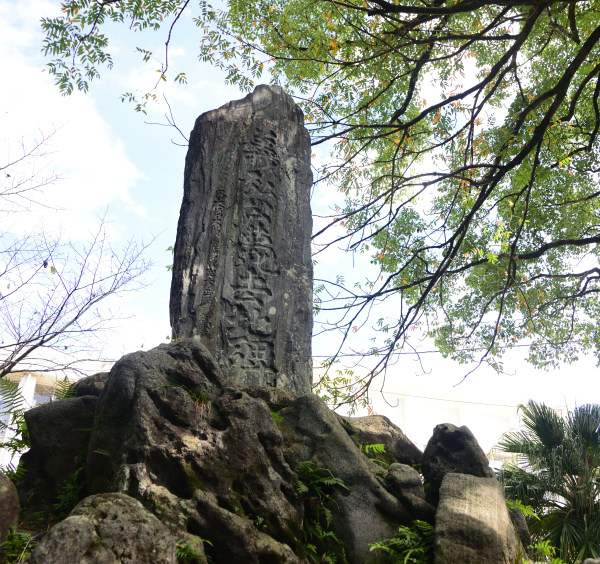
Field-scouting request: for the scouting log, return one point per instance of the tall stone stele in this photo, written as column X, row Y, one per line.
column 242, row 270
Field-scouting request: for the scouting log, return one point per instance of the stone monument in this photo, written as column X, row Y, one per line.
column 242, row 270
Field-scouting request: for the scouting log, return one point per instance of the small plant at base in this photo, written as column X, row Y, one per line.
column 412, row 545
column 70, row 490
column 17, row 547
column 199, row 398
column 526, row 510
column 186, row 552
column 152, row 502
column 276, row 417
column 169, row 267
column 258, row 521
column 543, row 552
column 316, row 486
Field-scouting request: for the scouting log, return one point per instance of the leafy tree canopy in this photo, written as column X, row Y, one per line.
column 465, row 149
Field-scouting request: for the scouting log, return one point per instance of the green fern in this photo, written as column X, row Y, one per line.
column 411, row 545
column 276, row 417
column 64, row 389
column 12, row 422
column 377, row 448
column 17, row 546
column 69, row 492
column 543, row 551
column 187, row 551
column 10, row 396
column 200, row 397
column 316, row 486
column 12, row 404
column 318, row 481
column 526, row 510
column 376, row 453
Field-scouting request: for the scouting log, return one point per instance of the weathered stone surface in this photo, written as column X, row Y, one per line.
column 204, row 457
column 369, row 512
column 59, row 432
column 518, row 520
column 472, row 524
column 452, row 449
column 213, row 463
column 10, row 507
column 242, row 270
column 90, row 386
column 591, row 561
column 275, row 398
column 378, row 429
column 406, row 484
column 406, row 479
column 107, row 529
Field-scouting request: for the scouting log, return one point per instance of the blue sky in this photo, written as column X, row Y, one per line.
column 109, row 159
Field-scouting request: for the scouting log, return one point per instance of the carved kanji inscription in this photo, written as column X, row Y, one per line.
column 242, row 273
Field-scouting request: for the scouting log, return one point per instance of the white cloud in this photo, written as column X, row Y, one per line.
column 93, row 165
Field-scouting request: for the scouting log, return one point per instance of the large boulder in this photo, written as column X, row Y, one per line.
column 452, row 449
column 91, row 385
column 107, row 529
column 205, row 457
column 378, row 429
column 472, row 524
column 60, row 432
column 9, row 504
column 219, row 462
column 369, row 511
column 520, row 524
column 406, row 484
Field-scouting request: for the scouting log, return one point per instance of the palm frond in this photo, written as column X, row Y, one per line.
column 528, row 487
column 584, row 423
column 544, row 423
column 558, row 474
